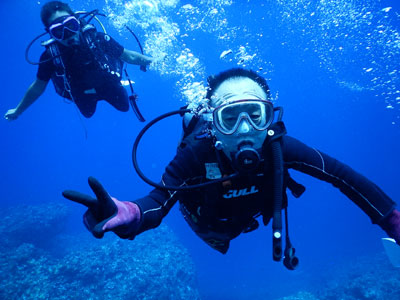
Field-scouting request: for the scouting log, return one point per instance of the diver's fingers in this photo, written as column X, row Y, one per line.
column 98, row 189
column 106, row 205
column 81, row 198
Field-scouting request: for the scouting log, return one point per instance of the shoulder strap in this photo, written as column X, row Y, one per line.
column 276, row 131
column 279, row 130
column 194, row 129
column 59, row 78
column 55, row 53
column 88, row 31
column 105, row 62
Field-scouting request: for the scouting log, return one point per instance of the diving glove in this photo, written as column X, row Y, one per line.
column 391, row 224
column 106, row 213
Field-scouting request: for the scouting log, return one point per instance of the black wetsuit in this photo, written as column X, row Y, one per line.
column 221, row 212
column 88, row 82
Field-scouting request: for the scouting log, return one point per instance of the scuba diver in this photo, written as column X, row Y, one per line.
column 232, row 167
column 84, row 65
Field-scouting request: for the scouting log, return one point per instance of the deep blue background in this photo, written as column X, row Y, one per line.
column 45, row 151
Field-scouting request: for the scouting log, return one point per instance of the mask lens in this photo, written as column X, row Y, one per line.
column 259, row 113
column 229, row 116
column 71, row 24
column 57, row 31
column 255, row 113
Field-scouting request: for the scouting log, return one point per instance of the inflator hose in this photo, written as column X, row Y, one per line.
column 277, row 161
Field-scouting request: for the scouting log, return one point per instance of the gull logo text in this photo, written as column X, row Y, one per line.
column 239, row 193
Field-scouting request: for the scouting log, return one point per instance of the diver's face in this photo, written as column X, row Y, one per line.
column 74, row 38
column 233, row 89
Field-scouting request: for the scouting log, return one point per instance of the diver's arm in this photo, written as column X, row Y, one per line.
column 135, row 58
column 157, row 204
column 364, row 193
column 35, row 90
column 127, row 218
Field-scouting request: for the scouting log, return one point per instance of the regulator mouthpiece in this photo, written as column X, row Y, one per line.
column 246, row 159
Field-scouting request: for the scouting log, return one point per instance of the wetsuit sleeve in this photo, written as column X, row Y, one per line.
column 109, row 45
column 46, row 67
column 155, row 206
column 364, row 193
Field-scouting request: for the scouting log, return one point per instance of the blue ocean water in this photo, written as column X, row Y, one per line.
column 332, row 65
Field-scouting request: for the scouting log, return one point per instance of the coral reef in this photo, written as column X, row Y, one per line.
column 36, row 225
column 365, row 278
column 153, row 266
column 301, row 296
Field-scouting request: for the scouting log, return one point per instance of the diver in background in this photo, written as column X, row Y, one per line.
column 85, row 65
column 247, row 157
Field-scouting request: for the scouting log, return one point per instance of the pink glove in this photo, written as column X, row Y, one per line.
column 391, row 224
column 124, row 223
column 106, row 213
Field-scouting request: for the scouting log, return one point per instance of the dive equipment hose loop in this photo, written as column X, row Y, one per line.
column 168, row 187
column 29, row 47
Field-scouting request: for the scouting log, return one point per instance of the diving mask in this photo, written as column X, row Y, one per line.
column 64, row 27
column 228, row 117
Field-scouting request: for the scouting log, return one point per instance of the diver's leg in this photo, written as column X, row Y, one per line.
column 87, row 106
column 118, row 98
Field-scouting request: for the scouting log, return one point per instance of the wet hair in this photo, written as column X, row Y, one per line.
column 215, row 81
column 50, row 8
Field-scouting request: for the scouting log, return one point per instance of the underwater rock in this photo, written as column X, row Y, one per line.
column 365, row 278
column 301, row 296
column 36, row 225
column 153, row 266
